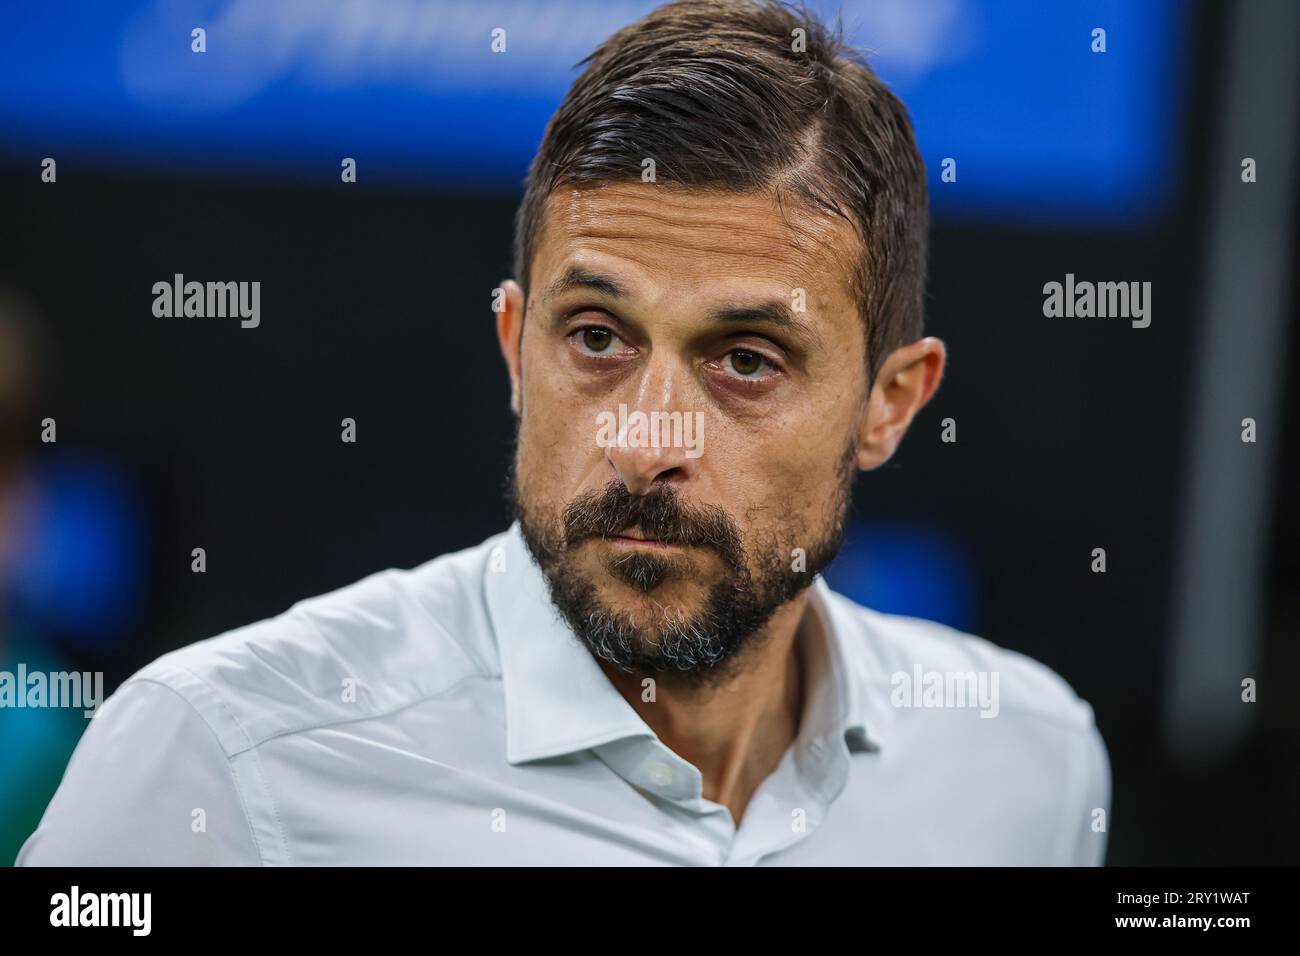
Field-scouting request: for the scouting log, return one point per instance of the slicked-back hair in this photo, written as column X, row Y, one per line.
column 722, row 95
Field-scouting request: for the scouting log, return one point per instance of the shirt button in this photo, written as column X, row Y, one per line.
column 661, row 775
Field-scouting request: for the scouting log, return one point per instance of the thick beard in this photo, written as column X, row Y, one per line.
column 701, row 649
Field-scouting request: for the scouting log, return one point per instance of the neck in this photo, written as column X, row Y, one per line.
column 737, row 731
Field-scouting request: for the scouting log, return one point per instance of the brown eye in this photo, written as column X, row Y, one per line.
column 597, row 340
column 746, row 363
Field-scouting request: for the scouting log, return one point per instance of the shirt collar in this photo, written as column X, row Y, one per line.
column 852, row 668
column 559, row 701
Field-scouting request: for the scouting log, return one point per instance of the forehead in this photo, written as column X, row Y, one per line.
column 668, row 234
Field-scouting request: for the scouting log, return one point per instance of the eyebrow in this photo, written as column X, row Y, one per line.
column 770, row 313
column 773, row 312
column 576, row 277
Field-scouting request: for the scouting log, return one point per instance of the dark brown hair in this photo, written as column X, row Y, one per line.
column 720, row 94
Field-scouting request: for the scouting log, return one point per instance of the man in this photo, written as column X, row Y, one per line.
column 716, row 323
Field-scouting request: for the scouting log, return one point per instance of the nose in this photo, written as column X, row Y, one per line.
column 660, row 439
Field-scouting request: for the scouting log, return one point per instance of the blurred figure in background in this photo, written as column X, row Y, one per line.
column 35, row 742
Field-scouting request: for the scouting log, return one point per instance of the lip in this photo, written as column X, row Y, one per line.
column 633, row 540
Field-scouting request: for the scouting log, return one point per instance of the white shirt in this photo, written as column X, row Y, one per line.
column 446, row 715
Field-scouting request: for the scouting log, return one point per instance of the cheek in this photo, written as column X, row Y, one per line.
column 779, row 479
column 547, row 411
column 557, row 432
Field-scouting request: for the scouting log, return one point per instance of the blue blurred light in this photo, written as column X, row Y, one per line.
column 81, row 571
column 1041, row 128
column 904, row 568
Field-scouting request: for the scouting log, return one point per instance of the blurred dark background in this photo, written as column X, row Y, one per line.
column 1072, row 434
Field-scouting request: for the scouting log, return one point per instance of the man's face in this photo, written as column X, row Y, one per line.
column 733, row 319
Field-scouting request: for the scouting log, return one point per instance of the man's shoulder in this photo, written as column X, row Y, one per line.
column 893, row 650
column 370, row 648
column 1038, row 773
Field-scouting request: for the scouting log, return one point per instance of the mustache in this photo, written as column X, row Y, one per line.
column 661, row 514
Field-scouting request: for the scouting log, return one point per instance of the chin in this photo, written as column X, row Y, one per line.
column 670, row 601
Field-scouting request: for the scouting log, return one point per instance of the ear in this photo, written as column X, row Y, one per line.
column 510, row 330
column 907, row 379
